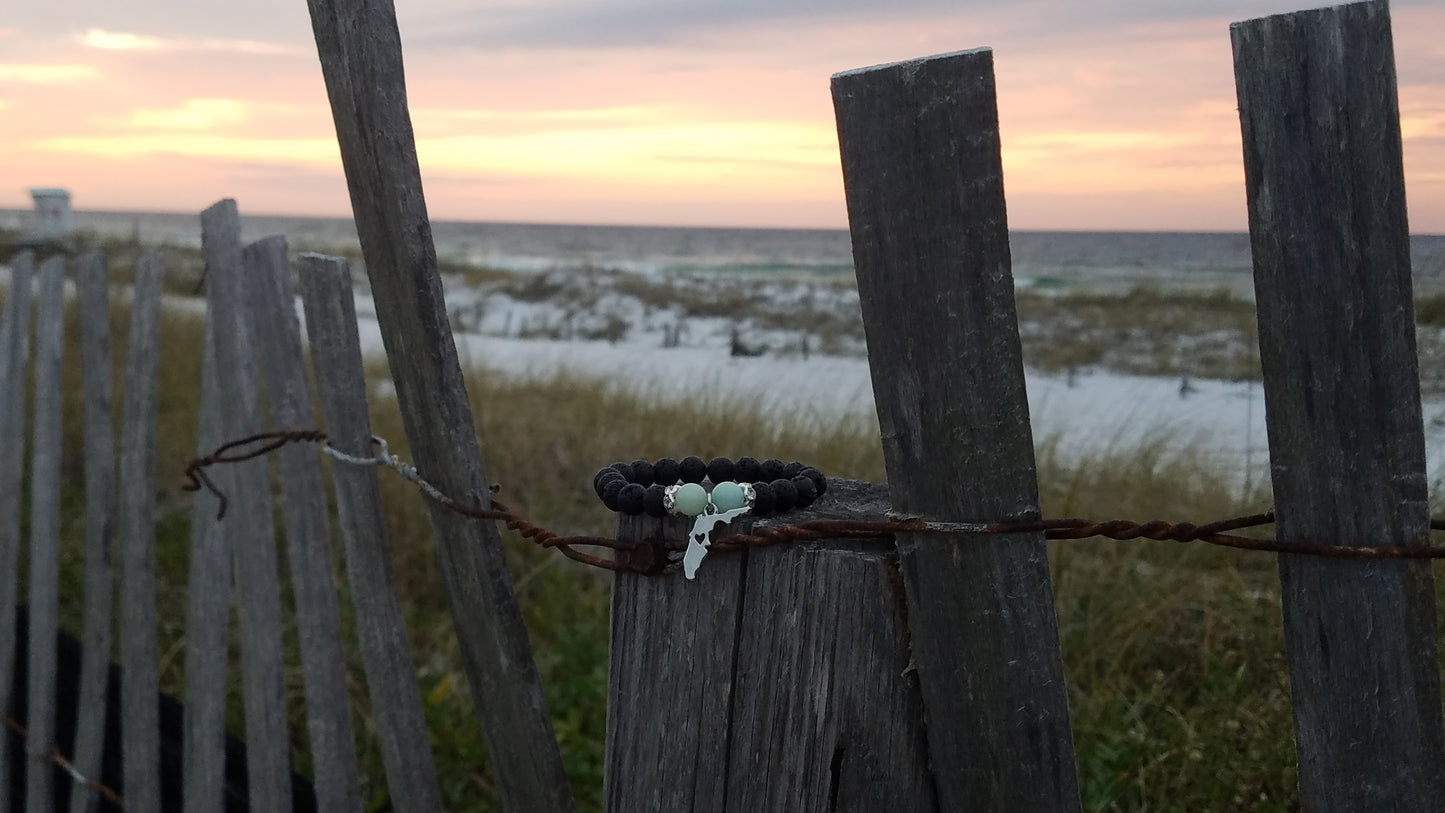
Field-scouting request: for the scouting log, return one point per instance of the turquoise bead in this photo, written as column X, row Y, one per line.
column 727, row 496
column 690, row 499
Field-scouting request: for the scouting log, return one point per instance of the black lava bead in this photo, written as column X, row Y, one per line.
column 610, row 491
column 642, row 473
column 763, row 499
column 720, row 470
column 604, row 477
column 770, row 470
column 605, row 472
column 818, row 479
column 807, row 492
column 652, row 501
column 793, row 469
column 747, row 470
column 785, row 494
column 630, row 497
column 693, row 469
column 666, row 471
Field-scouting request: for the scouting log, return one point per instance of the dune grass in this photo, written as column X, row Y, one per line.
column 1174, row 655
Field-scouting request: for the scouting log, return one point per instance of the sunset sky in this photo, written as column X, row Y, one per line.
column 1115, row 114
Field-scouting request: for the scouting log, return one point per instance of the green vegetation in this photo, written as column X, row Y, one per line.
column 1174, row 654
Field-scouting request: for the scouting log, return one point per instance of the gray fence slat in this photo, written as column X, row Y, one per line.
column 45, row 534
column 1326, row 192
column 924, row 187
column 14, row 355
column 360, row 51
column 208, row 607
column 135, row 537
column 271, row 308
column 390, row 676
column 248, row 524
column 92, row 291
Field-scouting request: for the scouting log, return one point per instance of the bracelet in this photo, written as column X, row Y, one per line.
column 674, row 487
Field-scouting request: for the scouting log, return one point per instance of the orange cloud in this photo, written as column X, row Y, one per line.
column 103, row 40
column 193, row 114
column 40, row 74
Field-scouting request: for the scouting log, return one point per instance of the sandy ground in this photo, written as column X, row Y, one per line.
column 1094, row 412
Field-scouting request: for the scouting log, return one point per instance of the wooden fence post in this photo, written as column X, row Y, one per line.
column 1323, row 172
column 247, row 525
column 208, row 613
column 14, row 356
column 778, row 680
column 93, row 293
column 271, row 312
column 396, row 705
column 360, row 50
column 135, row 538
column 45, row 535
column 924, row 184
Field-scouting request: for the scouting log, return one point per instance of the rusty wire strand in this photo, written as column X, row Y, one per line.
column 652, row 556
column 59, row 759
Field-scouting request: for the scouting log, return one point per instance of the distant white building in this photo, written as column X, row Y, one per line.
column 52, row 213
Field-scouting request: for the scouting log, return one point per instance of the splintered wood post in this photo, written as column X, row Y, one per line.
column 14, row 356
column 92, row 288
column 247, row 523
column 271, row 308
column 778, row 680
column 396, row 705
column 45, row 535
column 360, row 50
column 1326, row 191
column 924, row 184
column 135, row 538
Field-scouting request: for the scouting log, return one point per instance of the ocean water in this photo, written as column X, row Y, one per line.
column 1040, row 258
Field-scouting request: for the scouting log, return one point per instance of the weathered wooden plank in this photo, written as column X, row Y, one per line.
column 45, row 534
column 828, row 696
column 92, row 290
column 670, row 680
column 1326, row 191
column 208, row 607
column 360, row 51
column 14, row 362
column 248, row 524
column 924, row 184
column 778, row 680
column 135, row 536
column 271, row 310
column 390, row 677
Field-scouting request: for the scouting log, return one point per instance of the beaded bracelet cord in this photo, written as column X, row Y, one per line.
column 673, row 487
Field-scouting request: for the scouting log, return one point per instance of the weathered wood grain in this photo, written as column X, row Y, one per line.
column 396, row 705
column 14, row 364
column 271, row 309
column 248, row 523
column 45, row 432
column 360, row 51
column 670, row 681
column 924, row 184
column 135, row 537
column 208, row 608
column 778, row 680
column 1324, row 178
column 93, row 289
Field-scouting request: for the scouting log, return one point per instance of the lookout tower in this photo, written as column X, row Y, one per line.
column 52, row 213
